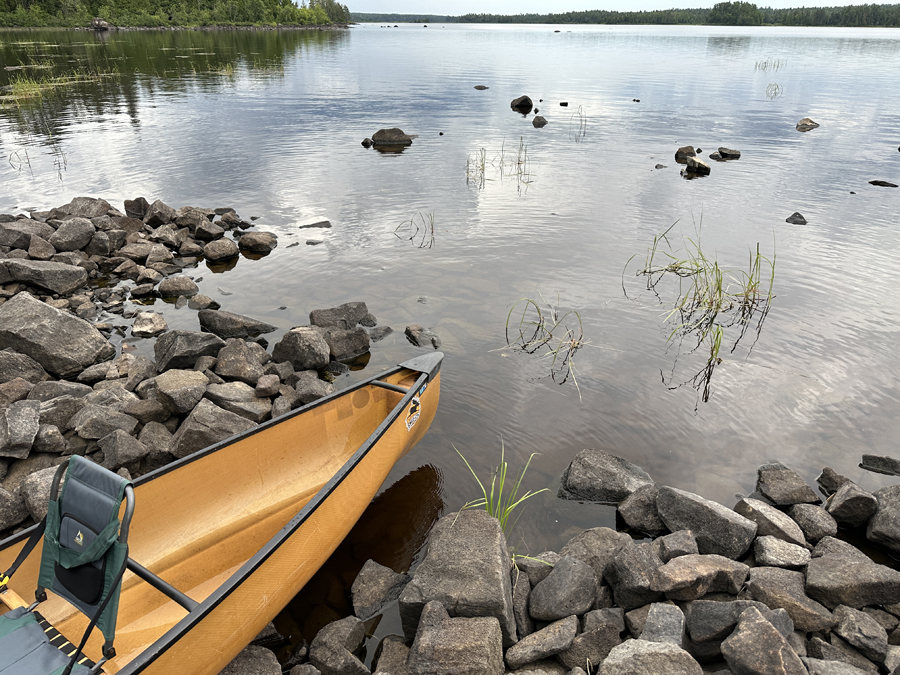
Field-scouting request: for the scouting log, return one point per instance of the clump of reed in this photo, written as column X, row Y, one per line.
column 419, row 230
column 767, row 64
column 24, row 86
column 578, row 125
column 712, row 305
column 504, row 164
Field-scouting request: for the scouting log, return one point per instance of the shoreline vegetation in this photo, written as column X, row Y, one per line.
column 722, row 14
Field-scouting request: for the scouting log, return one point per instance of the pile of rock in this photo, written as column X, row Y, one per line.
column 763, row 588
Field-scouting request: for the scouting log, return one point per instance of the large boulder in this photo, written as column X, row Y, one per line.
column 374, row 587
column 782, row 485
column 56, row 277
column 258, row 242
column 73, row 235
column 641, row 657
column 332, row 649
column 19, row 425
column 756, row 646
column 182, row 348
column 718, row 530
column 597, row 547
column 220, row 249
column 391, row 137
column 180, row 390
column 35, row 490
column 597, row 476
column 569, row 589
column 14, row 365
column 462, row 646
column 466, row 568
column 18, row 233
column 851, row 505
column 87, row 207
column 93, row 422
column 303, row 347
column 841, row 577
column 784, row 589
column 241, row 399
column 159, row 213
column 770, row 521
column 344, row 316
column 236, row 361
column 884, row 526
column 121, row 449
column 346, row 344
column 631, row 575
column 231, row 325
column 63, row 344
column 207, row 424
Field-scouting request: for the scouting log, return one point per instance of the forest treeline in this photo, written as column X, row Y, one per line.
column 373, row 17
column 161, row 13
column 722, row 14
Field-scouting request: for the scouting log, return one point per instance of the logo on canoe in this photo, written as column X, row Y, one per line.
column 415, row 409
column 79, row 538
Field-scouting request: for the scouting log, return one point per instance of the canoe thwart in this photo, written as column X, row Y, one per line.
column 163, row 587
column 392, row 387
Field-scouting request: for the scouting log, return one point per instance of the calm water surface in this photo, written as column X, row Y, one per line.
column 271, row 124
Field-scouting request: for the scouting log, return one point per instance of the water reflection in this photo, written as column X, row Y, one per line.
column 392, row 531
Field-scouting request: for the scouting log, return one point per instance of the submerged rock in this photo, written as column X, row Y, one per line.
column 522, row 104
column 391, row 137
column 683, row 153
column 538, row 122
column 597, row 476
column 806, row 124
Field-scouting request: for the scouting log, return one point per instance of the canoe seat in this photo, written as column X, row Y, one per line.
column 84, row 556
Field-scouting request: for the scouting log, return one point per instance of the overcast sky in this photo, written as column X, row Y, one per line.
column 456, row 7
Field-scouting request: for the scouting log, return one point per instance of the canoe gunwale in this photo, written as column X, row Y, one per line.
column 154, row 651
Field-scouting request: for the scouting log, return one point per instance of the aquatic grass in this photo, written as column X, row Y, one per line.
column 500, row 501
column 578, row 125
column 773, row 91
column 420, row 229
column 765, row 65
column 545, row 329
column 506, row 163
column 24, row 86
column 476, row 163
column 709, row 300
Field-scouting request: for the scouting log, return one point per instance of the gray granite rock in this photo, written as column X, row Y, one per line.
column 148, row 324
column 258, row 242
column 466, row 568
column 49, row 439
column 122, row 450
column 631, row 574
column 374, row 587
column 569, row 589
column 180, row 390
column 346, row 344
column 45, row 391
column 822, row 667
column 231, row 325
column 19, row 425
column 310, row 387
column 220, row 249
column 463, row 646
column 548, row 641
column 776, row 552
column 851, row 505
column 60, row 410
column 303, row 347
column 35, row 491
column 665, row 623
column 840, row 651
column 345, row 316
column 690, row 577
column 718, row 530
column 521, row 592
column 159, row 213
column 590, row 646
column 12, row 509
column 391, row 656
column 782, row 486
column 14, row 365
column 538, row 567
column 757, row 647
column 844, row 579
column 614, row 616
column 862, row 632
column 815, row 521
column 715, row 620
column 14, row 390
column 675, row 545
column 64, row 345
column 236, row 361
column 881, row 464
column 253, row 660
column 332, row 649
column 770, row 521
column 597, row 476
column 73, row 235
column 206, row 424
column 884, row 526
column 176, row 286
column 241, row 399
column 96, row 421
column 640, row 657
column 597, row 547
column 422, row 337
column 638, row 510
column 182, row 348
column 781, row 588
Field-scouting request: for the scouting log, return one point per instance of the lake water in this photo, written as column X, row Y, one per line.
column 271, row 123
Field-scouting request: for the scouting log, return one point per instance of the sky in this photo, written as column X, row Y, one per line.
column 456, row 7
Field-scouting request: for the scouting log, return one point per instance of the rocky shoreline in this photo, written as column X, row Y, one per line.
column 765, row 588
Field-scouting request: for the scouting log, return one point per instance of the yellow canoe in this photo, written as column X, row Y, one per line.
column 241, row 526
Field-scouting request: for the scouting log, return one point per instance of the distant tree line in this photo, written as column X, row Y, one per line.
column 160, row 13
column 723, row 14
column 369, row 17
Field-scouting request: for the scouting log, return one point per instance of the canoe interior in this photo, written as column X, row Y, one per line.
column 197, row 525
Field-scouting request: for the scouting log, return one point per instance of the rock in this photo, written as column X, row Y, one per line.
column 35, row 491
column 182, row 348
column 303, row 347
column 366, row 142
column 466, row 568
column 55, row 277
column 689, row 577
column 58, row 411
column 121, row 449
column 63, row 344
column 631, row 575
column 95, row 373
column 391, row 138
column 697, row 166
column 159, row 213
column 728, row 153
column 12, row 509
column 14, row 390
column 770, row 521
column 253, row 660
column 392, row 657
column 19, row 425
column 191, row 217
column 332, row 649
column 208, row 231
column 717, row 529
column 782, row 486
column 757, row 647
column 776, row 552
column 795, row 218
column 100, row 244
column 14, row 366
column 840, row 652
column 851, row 505
column 538, row 122
column 537, row 568
column 521, row 591
column 781, row 588
column 881, row 464
column 96, row 421
column 49, row 439
column 374, row 587
column 640, row 657
column 665, row 623
column 40, row 249
column 180, row 390
column 345, row 316
column 236, row 361
column 310, row 388
column 522, row 104
column 822, row 667
column 45, row 391
column 241, row 399
column 862, row 632
column 205, row 425
column 174, row 287
column 884, row 526
column 570, row 588
column 159, row 254
column 422, row 337
column 219, row 250
column 829, row 480
column 815, row 521
column 882, row 183
column 853, row 580
column 267, row 385
column 148, row 324
column 18, row 234
column 346, row 344
column 72, row 235
column 638, row 510
column 806, row 124
column 258, row 242
column 481, row 87
column 597, row 547
column 683, row 153
column 461, row 646
column 596, row 475
column 675, row 545
column 553, row 639
column 712, row 620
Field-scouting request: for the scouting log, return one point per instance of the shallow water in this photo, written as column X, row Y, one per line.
column 270, row 124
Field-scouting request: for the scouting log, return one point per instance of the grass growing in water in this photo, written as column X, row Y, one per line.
column 420, row 229
column 500, row 501
column 709, row 300
column 24, row 86
column 765, row 65
column 507, row 163
column 773, row 91
column 558, row 335
column 578, row 125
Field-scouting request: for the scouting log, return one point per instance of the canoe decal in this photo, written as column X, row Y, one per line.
column 415, row 409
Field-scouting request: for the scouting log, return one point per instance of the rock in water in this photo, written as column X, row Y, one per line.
column 728, row 153
column 881, row 183
column 795, row 218
column 63, row 344
column 230, row 325
column 683, row 153
column 718, row 529
column 391, row 137
column 522, row 104
column 539, row 122
column 55, row 277
column 697, row 166
column 597, row 476
column 806, row 124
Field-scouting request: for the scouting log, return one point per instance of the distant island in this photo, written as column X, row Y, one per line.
column 721, row 14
